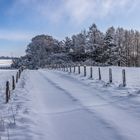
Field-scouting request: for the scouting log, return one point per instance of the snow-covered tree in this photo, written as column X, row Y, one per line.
column 95, row 42
column 109, row 54
column 115, row 47
column 68, row 44
column 40, row 49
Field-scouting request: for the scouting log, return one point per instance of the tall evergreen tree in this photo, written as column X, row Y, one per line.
column 95, row 42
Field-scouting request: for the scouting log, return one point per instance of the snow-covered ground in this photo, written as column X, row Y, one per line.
column 5, row 62
column 132, row 75
column 56, row 105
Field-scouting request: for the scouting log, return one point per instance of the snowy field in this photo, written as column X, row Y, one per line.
column 5, row 62
column 132, row 75
column 56, row 105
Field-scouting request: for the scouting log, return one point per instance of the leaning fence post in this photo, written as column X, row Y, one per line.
column 124, row 77
column 99, row 74
column 85, row 72
column 7, row 92
column 79, row 71
column 13, row 82
column 91, row 75
column 110, row 75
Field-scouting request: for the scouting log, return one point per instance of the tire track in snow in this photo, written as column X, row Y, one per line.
column 79, row 124
column 83, row 107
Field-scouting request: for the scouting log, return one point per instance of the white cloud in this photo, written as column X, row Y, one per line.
column 76, row 10
column 81, row 10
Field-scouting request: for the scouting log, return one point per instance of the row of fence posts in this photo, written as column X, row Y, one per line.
column 69, row 69
column 14, row 82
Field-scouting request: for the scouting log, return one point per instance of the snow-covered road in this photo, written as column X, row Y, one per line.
column 61, row 107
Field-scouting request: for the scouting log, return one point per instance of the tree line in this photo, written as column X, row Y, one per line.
column 118, row 47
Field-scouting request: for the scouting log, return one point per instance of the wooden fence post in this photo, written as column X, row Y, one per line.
column 17, row 77
column 110, row 75
column 61, row 67
column 124, row 77
column 7, row 92
column 99, row 74
column 79, row 71
column 22, row 68
column 67, row 68
column 13, row 82
column 85, row 71
column 70, row 69
column 58, row 66
column 74, row 69
column 91, row 75
column 19, row 73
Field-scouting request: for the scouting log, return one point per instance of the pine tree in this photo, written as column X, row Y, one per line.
column 95, row 43
column 109, row 55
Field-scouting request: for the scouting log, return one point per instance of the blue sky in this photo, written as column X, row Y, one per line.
column 20, row 20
